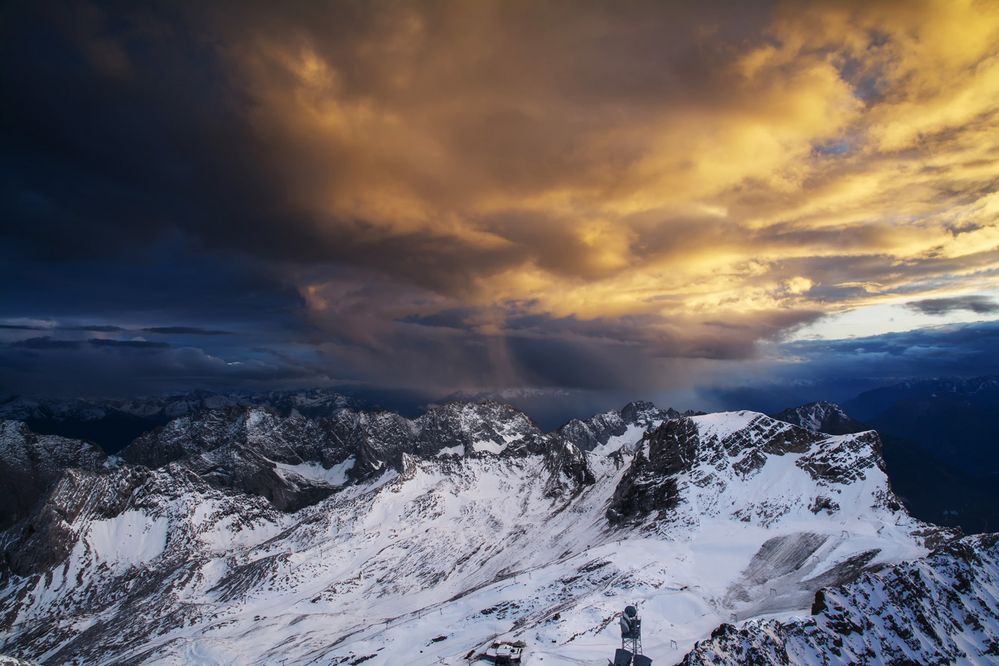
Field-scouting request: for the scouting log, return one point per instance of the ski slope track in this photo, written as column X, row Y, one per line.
column 243, row 536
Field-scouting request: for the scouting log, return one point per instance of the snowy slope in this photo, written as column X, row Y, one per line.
column 446, row 532
column 939, row 609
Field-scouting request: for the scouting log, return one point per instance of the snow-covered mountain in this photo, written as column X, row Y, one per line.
column 114, row 423
column 609, row 431
column 248, row 536
column 931, row 487
column 821, row 416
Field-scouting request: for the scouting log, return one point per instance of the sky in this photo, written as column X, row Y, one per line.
column 708, row 204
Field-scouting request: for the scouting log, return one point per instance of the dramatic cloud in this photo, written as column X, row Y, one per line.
column 490, row 194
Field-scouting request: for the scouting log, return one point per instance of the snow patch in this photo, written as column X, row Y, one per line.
column 316, row 473
column 723, row 424
column 488, row 446
column 628, row 439
column 129, row 539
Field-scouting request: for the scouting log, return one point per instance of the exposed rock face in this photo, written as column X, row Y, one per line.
column 46, row 538
column 30, row 464
column 252, row 450
column 941, row 609
column 650, row 483
column 568, row 470
column 378, row 439
column 845, row 458
column 821, row 416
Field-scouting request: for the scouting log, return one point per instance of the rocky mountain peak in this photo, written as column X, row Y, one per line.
column 472, row 428
column 691, row 459
column 821, row 416
column 609, row 431
column 30, row 464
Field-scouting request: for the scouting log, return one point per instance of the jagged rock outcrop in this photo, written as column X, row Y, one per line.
column 292, row 461
column 845, row 458
column 568, row 469
column 650, row 484
column 378, row 439
column 477, row 428
column 46, row 538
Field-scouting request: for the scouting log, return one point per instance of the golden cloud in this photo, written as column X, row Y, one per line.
column 587, row 161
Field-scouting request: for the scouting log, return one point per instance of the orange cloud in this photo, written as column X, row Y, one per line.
column 585, row 162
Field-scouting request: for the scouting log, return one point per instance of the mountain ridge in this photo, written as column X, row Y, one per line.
column 511, row 535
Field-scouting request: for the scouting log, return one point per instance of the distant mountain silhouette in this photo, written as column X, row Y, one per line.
column 954, row 420
column 939, row 440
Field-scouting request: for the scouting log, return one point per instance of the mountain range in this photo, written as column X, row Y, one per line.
column 939, row 467
column 114, row 423
column 256, row 534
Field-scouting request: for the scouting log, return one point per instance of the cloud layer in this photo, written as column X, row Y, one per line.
column 483, row 194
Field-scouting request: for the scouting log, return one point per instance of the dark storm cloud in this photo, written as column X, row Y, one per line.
column 458, row 318
column 184, row 330
column 102, row 368
column 130, row 344
column 46, row 343
column 656, row 335
column 96, row 328
column 941, row 306
column 162, row 283
column 839, row 369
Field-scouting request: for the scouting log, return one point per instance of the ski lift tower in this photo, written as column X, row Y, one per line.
column 630, row 653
